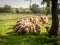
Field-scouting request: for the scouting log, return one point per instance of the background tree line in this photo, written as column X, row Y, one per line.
column 34, row 9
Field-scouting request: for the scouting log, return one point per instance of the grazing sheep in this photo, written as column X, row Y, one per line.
column 29, row 24
column 39, row 19
column 32, row 28
column 32, row 19
column 27, row 19
column 17, row 28
column 27, row 29
column 44, row 19
column 24, row 26
column 36, row 19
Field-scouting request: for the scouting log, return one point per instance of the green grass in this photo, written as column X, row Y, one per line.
column 8, row 37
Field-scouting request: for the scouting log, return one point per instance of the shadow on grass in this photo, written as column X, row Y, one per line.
column 27, row 39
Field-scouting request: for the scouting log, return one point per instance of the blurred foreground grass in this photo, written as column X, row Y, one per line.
column 8, row 37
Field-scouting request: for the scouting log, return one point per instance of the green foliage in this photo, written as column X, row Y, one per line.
column 48, row 10
column 48, row 5
column 17, row 11
column 58, row 11
column 58, row 8
column 1, row 10
column 35, row 9
column 7, row 8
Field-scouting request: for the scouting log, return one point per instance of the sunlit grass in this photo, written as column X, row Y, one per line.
column 8, row 37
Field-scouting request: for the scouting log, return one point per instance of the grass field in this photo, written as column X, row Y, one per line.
column 8, row 37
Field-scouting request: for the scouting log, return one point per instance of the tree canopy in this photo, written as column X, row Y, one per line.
column 35, row 8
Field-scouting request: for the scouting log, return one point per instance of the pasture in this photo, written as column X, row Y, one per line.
column 8, row 37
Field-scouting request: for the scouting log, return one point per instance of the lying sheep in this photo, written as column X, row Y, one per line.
column 32, row 19
column 32, row 28
column 26, row 28
column 36, row 19
column 27, row 19
column 27, row 25
column 44, row 19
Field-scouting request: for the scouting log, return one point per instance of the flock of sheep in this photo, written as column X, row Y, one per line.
column 29, row 24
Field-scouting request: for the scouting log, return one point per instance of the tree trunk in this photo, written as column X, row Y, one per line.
column 55, row 22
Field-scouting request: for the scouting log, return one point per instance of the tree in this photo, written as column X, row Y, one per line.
column 48, row 6
column 7, row 8
column 34, row 8
column 55, row 21
column 58, row 8
column 1, row 9
column 17, row 11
